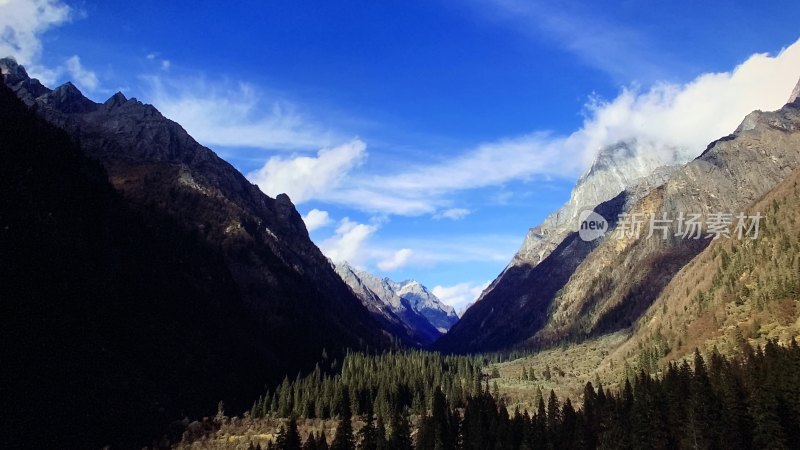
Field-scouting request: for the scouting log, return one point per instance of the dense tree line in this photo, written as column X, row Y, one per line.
column 749, row 401
column 385, row 384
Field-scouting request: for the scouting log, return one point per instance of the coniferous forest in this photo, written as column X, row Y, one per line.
column 420, row 400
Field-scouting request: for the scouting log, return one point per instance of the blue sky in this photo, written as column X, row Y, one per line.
column 420, row 138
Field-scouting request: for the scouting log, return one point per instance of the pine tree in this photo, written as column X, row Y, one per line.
column 368, row 439
column 311, row 442
column 569, row 424
column 322, row 441
column 401, row 432
column 425, row 433
column 553, row 418
column 380, row 435
column 591, row 420
column 344, row 439
column 292, row 436
column 442, row 422
column 540, row 434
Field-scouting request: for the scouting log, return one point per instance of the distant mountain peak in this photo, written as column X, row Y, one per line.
column 19, row 81
column 11, row 68
column 69, row 99
column 115, row 100
column 411, row 301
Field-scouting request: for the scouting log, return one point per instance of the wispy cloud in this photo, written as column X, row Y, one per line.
column 683, row 116
column 461, row 295
column 452, row 214
column 458, row 248
column 307, row 177
column 163, row 63
column 234, row 114
column 360, row 244
column 82, row 77
column 399, row 259
column 22, row 24
column 580, row 28
column 316, row 219
column 348, row 242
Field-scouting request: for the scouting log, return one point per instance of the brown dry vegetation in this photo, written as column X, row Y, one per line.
column 236, row 433
column 570, row 367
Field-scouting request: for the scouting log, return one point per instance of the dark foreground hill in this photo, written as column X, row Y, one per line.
column 148, row 286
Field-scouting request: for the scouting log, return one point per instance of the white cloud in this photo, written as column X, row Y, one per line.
column 85, row 79
column 452, row 248
column 165, row 64
column 461, row 295
column 22, row 22
column 452, row 214
column 307, row 177
column 399, row 259
column 316, row 219
column 359, row 244
column 694, row 114
column 684, row 116
column 489, row 164
column 347, row 242
column 234, row 114
column 359, row 195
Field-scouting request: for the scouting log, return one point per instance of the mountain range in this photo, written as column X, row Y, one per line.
column 147, row 279
column 409, row 306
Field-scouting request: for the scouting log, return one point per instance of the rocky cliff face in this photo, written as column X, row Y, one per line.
column 625, row 165
column 283, row 279
column 421, row 314
column 560, row 287
column 620, row 175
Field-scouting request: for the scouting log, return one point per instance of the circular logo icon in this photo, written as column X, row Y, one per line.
column 591, row 225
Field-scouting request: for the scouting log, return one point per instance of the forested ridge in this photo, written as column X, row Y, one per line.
column 420, row 400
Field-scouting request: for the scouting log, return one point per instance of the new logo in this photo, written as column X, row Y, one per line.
column 592, row 225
